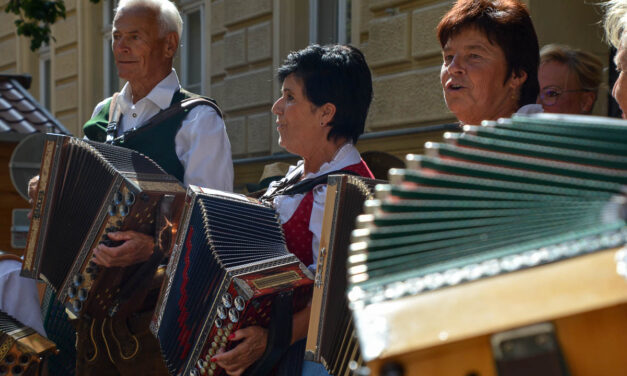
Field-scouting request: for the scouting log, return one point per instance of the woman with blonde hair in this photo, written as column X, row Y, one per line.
column 569, row 79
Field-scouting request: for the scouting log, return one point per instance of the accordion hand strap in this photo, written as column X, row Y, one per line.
column 136, row 288
column 279, row 335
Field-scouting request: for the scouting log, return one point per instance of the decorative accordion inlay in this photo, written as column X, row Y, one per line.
column 229, row 262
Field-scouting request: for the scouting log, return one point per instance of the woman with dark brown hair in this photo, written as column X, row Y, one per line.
column 490, row 60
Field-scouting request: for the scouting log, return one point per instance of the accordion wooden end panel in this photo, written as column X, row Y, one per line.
column 331, row 338
column 447, row 332
column 498, row 252
column 22, row 350
column 229, row 262
column 86, row 191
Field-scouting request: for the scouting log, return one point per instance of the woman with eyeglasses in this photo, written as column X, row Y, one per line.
column 569, row 79
column 490, row 60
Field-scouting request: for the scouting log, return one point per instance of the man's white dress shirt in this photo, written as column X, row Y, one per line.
column 201, row 143
column 19, row 296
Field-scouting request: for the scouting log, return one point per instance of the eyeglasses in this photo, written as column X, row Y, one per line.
column 550, row 95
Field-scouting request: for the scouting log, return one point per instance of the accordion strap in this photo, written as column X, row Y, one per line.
column 290, row 185
column 279, row 335
column 114, row 118
column 134, row 290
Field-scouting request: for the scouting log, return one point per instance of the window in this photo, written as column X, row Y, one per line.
column 192, row 48
column 45, row 78
column 330, row 21
column 111, row 82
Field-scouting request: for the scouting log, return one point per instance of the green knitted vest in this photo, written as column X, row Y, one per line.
column 156, row 142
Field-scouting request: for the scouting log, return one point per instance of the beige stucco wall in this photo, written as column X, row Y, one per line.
column 247, row 41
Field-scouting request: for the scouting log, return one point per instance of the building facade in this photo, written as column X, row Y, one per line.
column 231, row 48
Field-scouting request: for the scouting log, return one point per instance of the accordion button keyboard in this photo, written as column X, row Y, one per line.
column 221, row 313
column 117, row 198
column 82, row 295
column 77, row 305
column 227, row 300
column 77, row 280
column 233, row 315
column 129, row 198
column 240, row 303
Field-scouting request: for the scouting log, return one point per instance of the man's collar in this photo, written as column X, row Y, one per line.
column 161, row 95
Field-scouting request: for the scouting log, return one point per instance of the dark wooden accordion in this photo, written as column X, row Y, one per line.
column 331, row 338
column 86, row 190
column 505, row 225
column 22, row 349
column 229, row 262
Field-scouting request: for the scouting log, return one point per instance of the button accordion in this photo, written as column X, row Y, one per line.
column 229, row 262
column 86, row 190
column 331, row 338
column 22, row 349
column 505, row 225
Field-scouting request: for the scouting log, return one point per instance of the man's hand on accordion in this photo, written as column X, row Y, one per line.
column 136, row 247
column 252, row 347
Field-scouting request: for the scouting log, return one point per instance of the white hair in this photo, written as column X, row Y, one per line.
column 615, row 21
column 169, row 17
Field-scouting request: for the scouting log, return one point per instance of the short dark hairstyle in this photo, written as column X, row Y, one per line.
column 335, row 74
column 506, row 23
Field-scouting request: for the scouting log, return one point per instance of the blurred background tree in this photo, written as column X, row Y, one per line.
column 34, row 18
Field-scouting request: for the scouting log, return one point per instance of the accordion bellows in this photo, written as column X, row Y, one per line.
column 229, row 260
column 86, row 190
column 497, row 198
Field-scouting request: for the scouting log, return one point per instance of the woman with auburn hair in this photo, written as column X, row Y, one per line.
column 490, row 60
column 615, row 23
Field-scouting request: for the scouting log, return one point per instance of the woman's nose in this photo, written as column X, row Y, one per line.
column 455, row 66
column 277, row 106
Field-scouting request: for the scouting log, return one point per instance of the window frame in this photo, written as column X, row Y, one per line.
column 342, row 37
column 45, row 77
column 186, row 9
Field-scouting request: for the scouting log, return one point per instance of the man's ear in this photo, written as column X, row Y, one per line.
column 170, row 44
column 517, row 79
column 328, row 113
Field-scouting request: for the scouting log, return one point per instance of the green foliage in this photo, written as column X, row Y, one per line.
column 34, row 18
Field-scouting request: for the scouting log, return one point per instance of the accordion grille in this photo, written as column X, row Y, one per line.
column 83, row 180
column 8, row 324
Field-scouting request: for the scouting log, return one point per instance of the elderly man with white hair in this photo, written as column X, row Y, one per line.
column 191, row 145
